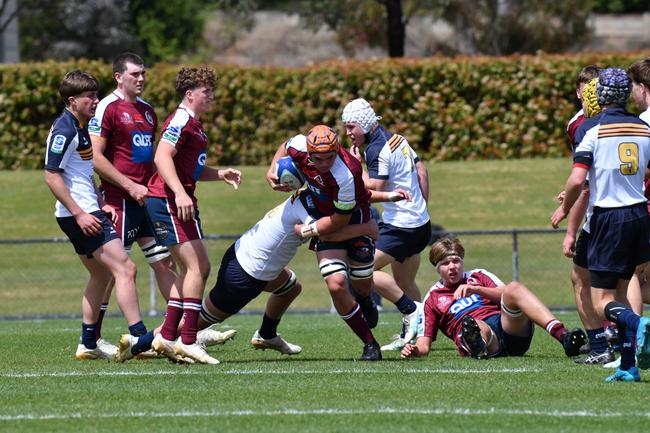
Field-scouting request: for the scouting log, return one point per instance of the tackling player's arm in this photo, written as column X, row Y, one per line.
column 574, row 185
column 352, row 231
column 271, row 178
column 322, row 226
column 89, row 224
column 396, row 195
column 164, row 160
column 108, row 172
column 423, row 179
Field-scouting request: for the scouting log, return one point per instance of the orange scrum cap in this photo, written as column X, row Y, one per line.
column 322, row 139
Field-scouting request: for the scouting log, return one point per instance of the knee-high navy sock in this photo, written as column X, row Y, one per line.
column 622, row 315
column 269, row 328
column 628, row 352
column 88, row 331
column 597, row 340
column 405, row 305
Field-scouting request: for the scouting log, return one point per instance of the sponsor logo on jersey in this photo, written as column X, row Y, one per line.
column 149, row 117
column 94, row 126
column 58, row 141
column 463, row 305
column 142, row 146
column 138, row 118
column 200, row 164
column 172, row 134
column 126, row 118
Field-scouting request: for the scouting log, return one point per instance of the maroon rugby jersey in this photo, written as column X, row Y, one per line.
column 341, row 190
column 572, row 127
column 129, row 129
column 183, row 131
column 442, row 312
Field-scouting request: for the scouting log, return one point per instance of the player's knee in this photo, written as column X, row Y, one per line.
column 129, row 269
column 204, row 270
column 333, row 269
column 362, row 271
column 290, row 288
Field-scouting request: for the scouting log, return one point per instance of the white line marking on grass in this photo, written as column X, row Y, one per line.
column 332, row 411
column 213, row 371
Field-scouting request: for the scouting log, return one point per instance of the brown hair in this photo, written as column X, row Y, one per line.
column 639, row 72
column 75, row 83
column 191, row 78
column 586, row 74
column 445, row 247
column 119, row 63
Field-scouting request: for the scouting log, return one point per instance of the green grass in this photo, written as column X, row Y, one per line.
column 470, row 195
column 324, row 389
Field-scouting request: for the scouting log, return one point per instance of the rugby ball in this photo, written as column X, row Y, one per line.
column 288, row 173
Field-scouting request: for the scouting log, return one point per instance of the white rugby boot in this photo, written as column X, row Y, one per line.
column 194, row 351
column 275, row 343
column 209, row 337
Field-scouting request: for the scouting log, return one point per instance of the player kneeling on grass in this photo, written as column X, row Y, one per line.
column 484, row 317
column 256, row 263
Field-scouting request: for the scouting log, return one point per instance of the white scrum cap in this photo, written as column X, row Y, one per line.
column 360, row 112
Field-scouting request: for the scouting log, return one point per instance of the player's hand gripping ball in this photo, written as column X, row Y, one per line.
column 288, row 173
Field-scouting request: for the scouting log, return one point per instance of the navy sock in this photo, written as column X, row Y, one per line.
column 622, row 315
column 143, row 344
column 269, row 328
column 138, row 329
column 628, row 354
column 597, row 340
column 405, row 305
column 88, row 332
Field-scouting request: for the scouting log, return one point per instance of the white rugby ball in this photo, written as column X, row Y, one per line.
column 288, row 173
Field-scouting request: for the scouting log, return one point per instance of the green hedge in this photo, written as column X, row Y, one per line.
column 449, row 109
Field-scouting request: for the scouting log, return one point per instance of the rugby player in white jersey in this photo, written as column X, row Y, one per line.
column 257, row 262
column 614, row 149
column 83, row 216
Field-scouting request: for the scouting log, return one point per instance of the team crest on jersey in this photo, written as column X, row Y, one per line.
column 57, row 144
column 472, row 281
column 94, row 126
column 127, row 119
column 319, row 179
column 149, row 117
column 443, row 302
column 172, row 134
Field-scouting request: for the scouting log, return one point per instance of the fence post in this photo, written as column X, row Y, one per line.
column 515, row 255
column 152, row 293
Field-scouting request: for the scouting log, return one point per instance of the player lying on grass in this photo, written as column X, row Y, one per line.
column 484, row 317
column 256, row 263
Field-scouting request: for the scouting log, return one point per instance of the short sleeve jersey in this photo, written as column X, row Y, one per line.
column 389, row 157
column 615, row 147
column 70, row 152
column 572, row 126
column 443, row 312
column 183, row 131
column 265, row 249
column 645, row 116
column 341, row 190
column 129, row 129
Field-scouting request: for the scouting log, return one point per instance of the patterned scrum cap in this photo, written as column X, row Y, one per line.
column 360, row 112
column 590, row 99
column 613, row 87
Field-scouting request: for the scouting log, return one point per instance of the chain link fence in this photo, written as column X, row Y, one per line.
column 44, row 278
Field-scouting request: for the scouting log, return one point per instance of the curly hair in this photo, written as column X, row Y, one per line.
column 191, row 78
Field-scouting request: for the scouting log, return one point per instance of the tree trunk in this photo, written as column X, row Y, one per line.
column 396, row 28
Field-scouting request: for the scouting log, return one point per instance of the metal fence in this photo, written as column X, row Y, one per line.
column 43, row 277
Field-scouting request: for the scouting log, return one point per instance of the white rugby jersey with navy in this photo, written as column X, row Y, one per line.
column 70, row 152
column 270, row 244
column 615, row 147
column 389, row 157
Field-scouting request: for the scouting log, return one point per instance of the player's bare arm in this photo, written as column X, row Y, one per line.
column 421, row 347
column 351, row 231
column 89, row 224
column 271, row 178
column 574, row 221
column 229, row 175
column 573, row 187
column 423, row 179
column 491, row 293
column 106, row 208
column 323, row 226
column 164, row 161
column 396, row 195
column 107, row 171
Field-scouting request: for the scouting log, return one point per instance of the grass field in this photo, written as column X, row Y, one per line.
column 43, row 389
column 470, row 195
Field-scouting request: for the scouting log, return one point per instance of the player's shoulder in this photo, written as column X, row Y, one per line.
column 65, row 124
column 141, row 101
column 179, row 119
column 479, row 275
column 577, row 118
